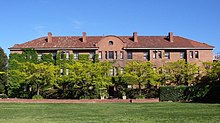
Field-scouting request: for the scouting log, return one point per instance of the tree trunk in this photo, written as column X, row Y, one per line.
column 38, row 90
column 139, row 84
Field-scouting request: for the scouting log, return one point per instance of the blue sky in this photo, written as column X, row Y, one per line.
column 24, row 20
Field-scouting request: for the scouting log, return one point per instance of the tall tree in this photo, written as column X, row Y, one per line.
column 36, row 76
column 3, row 70
column 86, row 76
column 40, row 75
column 212, row 70
column 179, row 72
column 137, row 72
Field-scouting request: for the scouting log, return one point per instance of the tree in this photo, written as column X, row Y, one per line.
column 179, row 73
column 40, row 75
column 3, row 69
column 212, row 70
column 33, row 76
column 140, row 73
column 86, row 77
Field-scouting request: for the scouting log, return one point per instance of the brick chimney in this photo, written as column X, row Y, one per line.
column 83, row 36
column 135, row 36
column 49, row 37
column 170, row 36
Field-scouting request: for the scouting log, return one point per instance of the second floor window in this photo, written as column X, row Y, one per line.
column 111, row 54
column 100, row 54
column 91, row 55
column 146, row 55
column 121, row 55
column 54, row 56
column 76, row 55
column 62, row 55
column 167, row 55
column 39, row 56
column 191, row 54
column 67, row 55
column 159, row 54
column 115, row 55
column 182, row 55
column 196, row 54
column 106, row 55
column 129, row 55
column 154, row 54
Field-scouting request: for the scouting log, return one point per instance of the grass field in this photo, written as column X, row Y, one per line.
column 109, row 112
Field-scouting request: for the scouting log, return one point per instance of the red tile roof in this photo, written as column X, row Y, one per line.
column 143, row 42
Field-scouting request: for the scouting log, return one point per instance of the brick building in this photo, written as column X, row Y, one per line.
column 157, row 49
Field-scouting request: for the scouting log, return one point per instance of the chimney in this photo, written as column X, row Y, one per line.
column 84, row 37
column 170, row 36
column 135, row 36
column 49, row 38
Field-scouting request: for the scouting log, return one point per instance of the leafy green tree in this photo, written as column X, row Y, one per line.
column 141, row 73
column 40, row 75
column 212, row 70
column 32, row 75
column 179, row 73
column 86, row 76
column 3, row 70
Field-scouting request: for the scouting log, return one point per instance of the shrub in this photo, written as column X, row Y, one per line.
column 37, row 97
column 139, row 97
column 3, row 96
column 172, row 93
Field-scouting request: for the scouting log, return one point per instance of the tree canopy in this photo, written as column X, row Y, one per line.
column 141, row 73
column 3, row 69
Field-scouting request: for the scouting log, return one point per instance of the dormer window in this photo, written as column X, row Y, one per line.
column 110, row 43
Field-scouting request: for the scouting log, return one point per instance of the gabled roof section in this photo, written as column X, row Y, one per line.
column 163, row 42
column 143, row 42
column 60, row 42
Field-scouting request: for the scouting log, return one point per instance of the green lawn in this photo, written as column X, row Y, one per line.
column 109, row 112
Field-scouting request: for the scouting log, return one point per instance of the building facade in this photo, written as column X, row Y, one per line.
column 121, row 49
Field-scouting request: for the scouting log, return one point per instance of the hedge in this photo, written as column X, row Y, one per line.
column 172, row 93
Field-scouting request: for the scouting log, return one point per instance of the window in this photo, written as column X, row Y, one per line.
column 91, row 55
column 115, row 55
column 67, row 72
column 191, row 54
column 67, row 55
column 106, row 55
column 112, row 72
column 111, row 54
column 129, row 55
column 121, row 55
column 39, row 56
column 110, row 42
column 121, row 70
column 159, row 54
column 100, row 54
column 62, row 55
column 76, row 55
column 146, row 55
column 167, row 55
column 182, row 55
column 61, row 71
column 154, row 54
column 196, row 54
column 54, row 56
